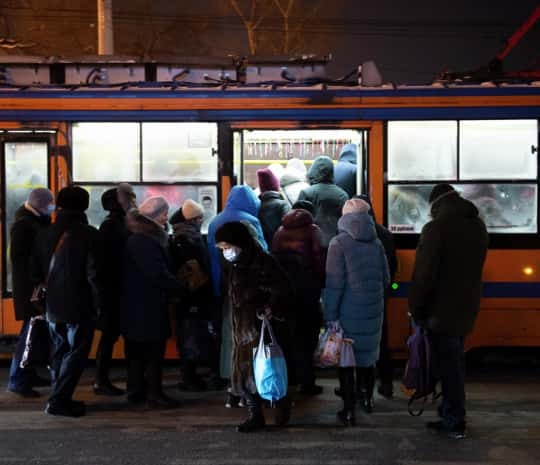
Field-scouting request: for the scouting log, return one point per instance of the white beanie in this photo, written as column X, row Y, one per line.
column 191, row 209
column 355, row 206
column 152, row 207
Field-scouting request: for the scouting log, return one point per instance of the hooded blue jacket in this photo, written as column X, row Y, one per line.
column 345, row 169
column 356, row 278
column 242, row 205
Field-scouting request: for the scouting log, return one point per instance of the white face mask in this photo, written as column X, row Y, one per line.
column 231, row 254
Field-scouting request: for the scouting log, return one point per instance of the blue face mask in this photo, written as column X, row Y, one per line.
column 50, row 209
column 231, row 254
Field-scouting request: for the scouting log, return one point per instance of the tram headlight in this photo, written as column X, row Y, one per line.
column 528, row 270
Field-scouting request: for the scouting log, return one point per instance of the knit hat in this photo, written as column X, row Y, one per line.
column 234, row 233
column 304, row 205
column 191, row 209
column 267, row 180
column 152, row 207
column 40, row 198
column 73, row 198
column 355, row 206
column 439, row 190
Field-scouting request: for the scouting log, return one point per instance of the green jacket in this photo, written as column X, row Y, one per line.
column 447, row 276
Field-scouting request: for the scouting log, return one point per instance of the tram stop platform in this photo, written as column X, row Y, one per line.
column 503, row 412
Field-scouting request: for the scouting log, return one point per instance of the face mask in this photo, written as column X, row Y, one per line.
column 231, row 254
column 50, row 209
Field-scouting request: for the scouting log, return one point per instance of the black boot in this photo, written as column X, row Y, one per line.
column 365, row 383
column 156, row 398
column 283, row 412
column 102, row 384
column 347, row 416
column 136, row 392
column 255, row 420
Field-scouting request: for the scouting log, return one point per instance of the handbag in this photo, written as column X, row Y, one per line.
column 37, row 345
column 269, row 366
column 192, row 275
column 329, row 347
column 39, row 294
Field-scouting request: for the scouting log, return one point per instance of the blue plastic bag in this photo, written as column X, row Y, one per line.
column 269, row 367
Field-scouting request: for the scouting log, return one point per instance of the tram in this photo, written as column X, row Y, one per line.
column 197, row 140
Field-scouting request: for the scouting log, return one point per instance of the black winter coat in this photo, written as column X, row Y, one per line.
column 147, row 282
column 273, row 209
column 447, row 277
column 188, row 244
column 23, row 234
column 113, row 234
column 74, row 291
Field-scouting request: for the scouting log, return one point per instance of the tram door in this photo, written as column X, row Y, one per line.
column 24, row 166
column 292, row 151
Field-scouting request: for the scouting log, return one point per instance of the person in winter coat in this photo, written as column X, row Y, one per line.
column 113, row 234
column 273, row 207
column 144, row 320
column 297, row 248
column 74, row 294
column 445, row 294
column 356, row 278
column 257, row 288
column 30, row 219
column 293, row 180
column 384, row 365
column 241, row 205
column 345, row 170
column 326, row 197
column 195, row 311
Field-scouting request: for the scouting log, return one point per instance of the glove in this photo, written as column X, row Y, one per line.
column 263, row 313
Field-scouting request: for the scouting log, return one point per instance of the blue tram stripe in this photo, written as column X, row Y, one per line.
column 489, row 290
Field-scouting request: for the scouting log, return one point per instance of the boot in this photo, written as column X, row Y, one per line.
column 135, row 381
column 255, row 420
column 365, row 383
column 347, row 415
column 283, row 412
column 102, row 384
column 156, row 397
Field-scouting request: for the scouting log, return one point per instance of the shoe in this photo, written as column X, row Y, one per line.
column 283, row 412
column 71, row 409
column 242, row 402
column 386, row 390
column 40, row 381
column 107, row 389
column 311, row 390
column 27, row 393
column 255, row 420
column 454, row 432
column 232, row 401
column 346, row 417
column 162, row 402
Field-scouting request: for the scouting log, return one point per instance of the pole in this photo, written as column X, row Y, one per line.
column 105, row 27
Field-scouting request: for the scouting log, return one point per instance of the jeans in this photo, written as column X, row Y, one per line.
column 71, row 346
column 20, row 379
column 449, row 366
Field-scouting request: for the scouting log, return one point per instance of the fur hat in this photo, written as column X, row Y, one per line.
column 191, row 209
column 440, row 190
column 355, row 206
column 234, row 233
column 40, row 198
column 73, row 198
column 267, row 180
column 152, row 207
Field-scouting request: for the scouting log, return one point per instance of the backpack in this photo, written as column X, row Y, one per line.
column 419, row 381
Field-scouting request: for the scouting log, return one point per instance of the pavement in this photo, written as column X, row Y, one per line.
column 503, row 409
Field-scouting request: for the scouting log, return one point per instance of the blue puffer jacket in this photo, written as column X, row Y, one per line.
column 242, row 205
column 356, row 277
column 345, row 169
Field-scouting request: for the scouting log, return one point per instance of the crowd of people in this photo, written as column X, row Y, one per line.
column 300, row 257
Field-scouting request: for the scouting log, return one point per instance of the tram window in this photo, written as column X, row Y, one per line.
column 106, row 152
column 505, row 208
column 25, row 169
column 422, row 150
column 175, row 195
column 175, row 152
column 498, row 149
column 273, row 148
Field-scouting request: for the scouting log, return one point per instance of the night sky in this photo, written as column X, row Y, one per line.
column 411, row 41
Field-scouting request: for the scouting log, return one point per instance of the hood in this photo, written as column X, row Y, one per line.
column 322, row 171
column 359, row 226
column 243, row 198
column 453, row 205
column 348, row 154
column 23, row 212
column 297, row 219
column 291, row 177
column 140, row 224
